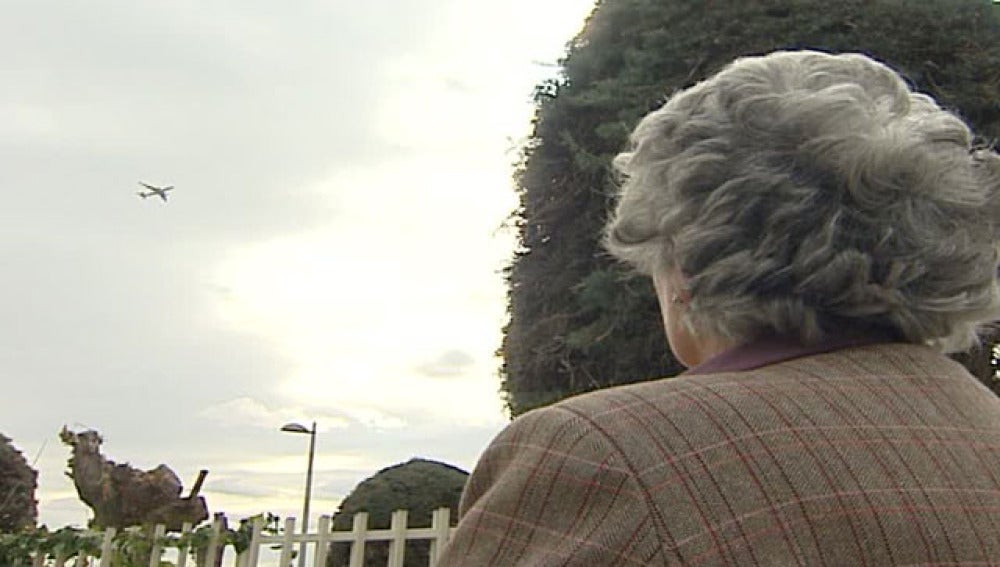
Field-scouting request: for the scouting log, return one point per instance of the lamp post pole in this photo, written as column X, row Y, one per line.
column 297, row 428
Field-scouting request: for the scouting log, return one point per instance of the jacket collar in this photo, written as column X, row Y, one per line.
column 772, row 350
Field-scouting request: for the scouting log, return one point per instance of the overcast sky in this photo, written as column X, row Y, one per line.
column 331, row 251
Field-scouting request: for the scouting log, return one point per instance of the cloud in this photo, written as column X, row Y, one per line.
column 371, row 417
column 239, row 486
column 252, row 413
column 449, row 364
column 323, row 461
column 248, row 412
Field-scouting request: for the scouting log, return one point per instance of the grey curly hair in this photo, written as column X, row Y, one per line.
column 803, row 192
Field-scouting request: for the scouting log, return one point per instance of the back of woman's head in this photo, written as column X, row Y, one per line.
column 807, row 193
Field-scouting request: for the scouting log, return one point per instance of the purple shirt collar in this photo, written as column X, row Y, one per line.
column 772, row 350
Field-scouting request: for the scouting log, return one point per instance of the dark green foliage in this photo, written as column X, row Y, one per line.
column 18, row 481
column 578, row 322
column 419, row 486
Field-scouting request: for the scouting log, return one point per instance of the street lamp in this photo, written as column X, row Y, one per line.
column 297, row 428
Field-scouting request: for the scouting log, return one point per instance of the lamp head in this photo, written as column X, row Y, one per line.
column 295, row 428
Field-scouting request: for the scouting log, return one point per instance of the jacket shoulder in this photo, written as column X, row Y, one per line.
column 657, row 418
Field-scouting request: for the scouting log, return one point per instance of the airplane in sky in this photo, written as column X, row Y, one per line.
column 160, row 192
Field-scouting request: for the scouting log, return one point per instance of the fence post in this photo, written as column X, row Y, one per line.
column 255, row 535
column 109, row 538
column 397, row 545
column 323, row 541
column 182, row 551
column 288, row 543
column 154, row 550
column 441, row 524
column 212, row 551
column 360, row 532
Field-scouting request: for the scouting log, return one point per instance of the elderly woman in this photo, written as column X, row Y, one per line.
column 818, row 236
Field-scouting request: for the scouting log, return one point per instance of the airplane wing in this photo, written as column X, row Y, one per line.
column 146, row 185
column 163, row 195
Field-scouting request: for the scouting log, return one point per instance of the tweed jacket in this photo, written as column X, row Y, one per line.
column 883, row 454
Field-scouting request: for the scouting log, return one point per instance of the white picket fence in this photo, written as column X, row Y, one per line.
column 288, row 542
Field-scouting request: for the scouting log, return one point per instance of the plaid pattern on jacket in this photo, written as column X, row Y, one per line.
column 878, row 455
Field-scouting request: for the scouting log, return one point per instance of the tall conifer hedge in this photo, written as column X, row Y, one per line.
column 578, row 321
